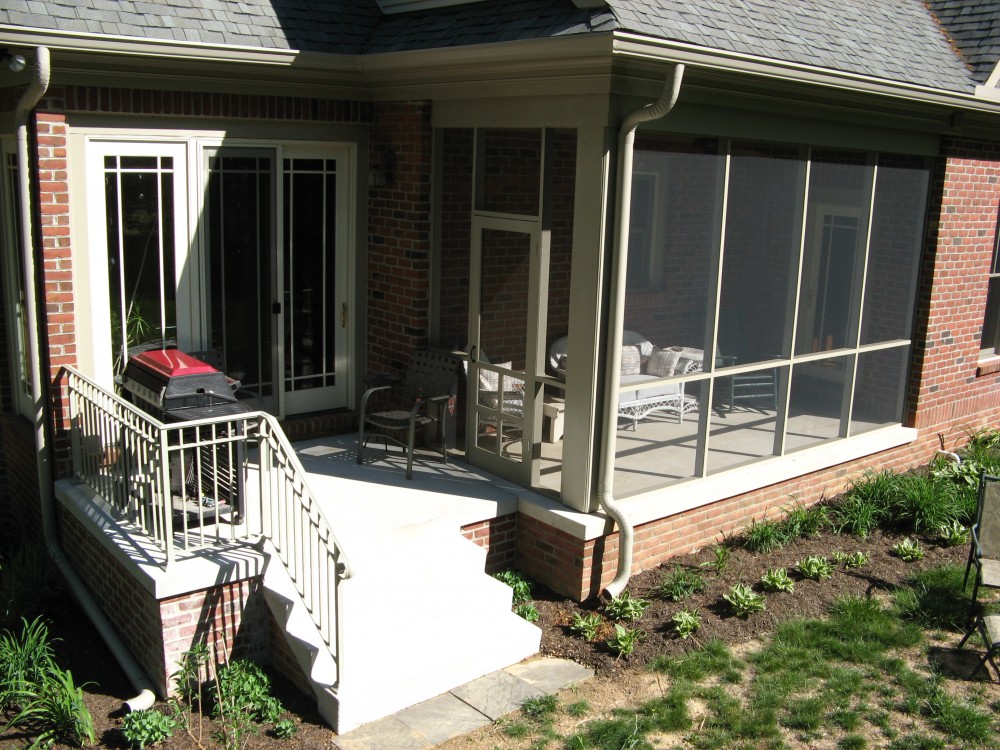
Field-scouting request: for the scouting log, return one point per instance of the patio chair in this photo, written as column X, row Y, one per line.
column 426, row 392
column 989, row 628
column 984, row 551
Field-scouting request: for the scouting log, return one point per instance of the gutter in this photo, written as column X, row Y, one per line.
column 36, row 90
column 626, row 142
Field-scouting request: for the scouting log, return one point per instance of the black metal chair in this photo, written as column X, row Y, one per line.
column 425, row 395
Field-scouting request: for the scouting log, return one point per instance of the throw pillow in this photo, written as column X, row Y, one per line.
column 662, row 362
column 631, row 360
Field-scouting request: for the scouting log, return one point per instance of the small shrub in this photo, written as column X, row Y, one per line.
column 776, row 579
column 744, row 600
column 141, row 728
column 518, row 582
column 586, row 626
column 853, row 560
column 925, row 504
column 25, row 659
column 625, row 608
column 908, row 550
column 806, row 521
column 764, row 536
column 53, row 710
column 624, row 641
column 285, row 729
column 686, row 622
column 953, row 534
column 680, row 583
column 866, row 504
column 721, row 562
column 539, row 708
column 527, row 611
column 814, row 567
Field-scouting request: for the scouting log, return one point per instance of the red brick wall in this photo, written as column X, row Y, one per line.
column 20, row 510
column 399, row 236
column 231, row 618
column 498, row 536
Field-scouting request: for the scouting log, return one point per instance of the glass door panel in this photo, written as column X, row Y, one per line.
column 239, row 223
column 314, row 282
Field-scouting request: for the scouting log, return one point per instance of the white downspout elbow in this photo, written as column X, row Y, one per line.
column 626, row 141
column 36, row 90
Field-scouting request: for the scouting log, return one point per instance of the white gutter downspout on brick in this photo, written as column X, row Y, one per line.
column 36, row 90
column 626, row 141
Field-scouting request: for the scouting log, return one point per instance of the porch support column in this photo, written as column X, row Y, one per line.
column 588, row 296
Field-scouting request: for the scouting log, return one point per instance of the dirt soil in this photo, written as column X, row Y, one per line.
column 617, row 682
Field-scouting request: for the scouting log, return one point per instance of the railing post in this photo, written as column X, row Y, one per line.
column 163, row 495
column 74, row 429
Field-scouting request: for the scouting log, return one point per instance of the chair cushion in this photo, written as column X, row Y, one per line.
column 991, row 573
column 631, row 360
column 662, row 363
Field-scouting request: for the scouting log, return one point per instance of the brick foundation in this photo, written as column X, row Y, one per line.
column 498, row 536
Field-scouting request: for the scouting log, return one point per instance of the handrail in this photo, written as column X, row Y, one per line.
column 203, row 483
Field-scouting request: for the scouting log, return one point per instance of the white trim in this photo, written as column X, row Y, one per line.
column 685, row 496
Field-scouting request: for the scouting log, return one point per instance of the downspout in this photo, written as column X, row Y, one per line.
column 36, row 90
column 626, row 142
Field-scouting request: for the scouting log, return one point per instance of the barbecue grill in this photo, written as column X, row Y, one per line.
column 175, row 387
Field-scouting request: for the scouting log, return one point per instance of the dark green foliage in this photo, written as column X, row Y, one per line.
column 924, row 504
column 29, row 584
column 764, row 536
column 714, row 658
column 141, row 728
column 518, row 582
column 866, row 504
column 934, row 598
column 680, row 583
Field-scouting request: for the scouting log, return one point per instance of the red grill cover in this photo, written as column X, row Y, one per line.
column 172, row 363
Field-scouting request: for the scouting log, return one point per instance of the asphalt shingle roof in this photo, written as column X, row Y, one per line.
column 896, row 40
column 975, row 28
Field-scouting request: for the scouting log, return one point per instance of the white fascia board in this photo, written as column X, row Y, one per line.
column 20, row 36
column 677, row 498
column 666, row 51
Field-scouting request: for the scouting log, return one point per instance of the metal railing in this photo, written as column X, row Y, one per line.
column 207, row 483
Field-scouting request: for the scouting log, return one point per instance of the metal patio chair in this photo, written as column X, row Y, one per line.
column 423, row 396
column 984, row 551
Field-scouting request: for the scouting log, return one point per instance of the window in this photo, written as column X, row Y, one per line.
column 642, row 232
column 990, row 340
column 789, row 273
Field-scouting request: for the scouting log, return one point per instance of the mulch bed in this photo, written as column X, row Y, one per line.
column 81, row 650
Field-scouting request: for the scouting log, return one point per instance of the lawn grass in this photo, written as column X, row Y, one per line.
column 857, row 674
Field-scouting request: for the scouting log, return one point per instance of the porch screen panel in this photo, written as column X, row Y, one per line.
column 760, row 255
column 140, row 236
column 452, row 288
column 310, row 241
column 879, row 389
column 503, row 327
column 840, row 194
column 239, row 210
column 14, row 270
column 817, row 405
column 898, row 218
column 510, row 182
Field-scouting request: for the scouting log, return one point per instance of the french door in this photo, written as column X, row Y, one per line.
column 278, row 308
column 260, row 277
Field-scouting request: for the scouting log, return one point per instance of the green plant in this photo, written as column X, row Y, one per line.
column 776, row 579
column 853, row 560
column 953, row 534
column 579, row 708
column 865, row 504
column 147, row 727
column 25, row 659
column 527, row 611
column 625, row 607
column 680, row 583
column 624, row 641
column 721, row 562
column 934, row 598
column 284, row 729
column 744, row 600
column 539, row 708
column 54, row 711
column 518, row 582
column 586, row 626
column 806, row 521
column 814, row 567
column 29, row 584
column 908, row 550
column 686, row 622
column 925, row 504
column 764, row 536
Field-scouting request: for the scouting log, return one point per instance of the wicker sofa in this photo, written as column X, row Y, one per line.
column 642, row 362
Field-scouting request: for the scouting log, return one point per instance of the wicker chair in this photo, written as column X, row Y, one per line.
column 427, row 390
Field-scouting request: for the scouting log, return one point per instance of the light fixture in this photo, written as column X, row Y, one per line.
column 380, row 174
column 13, row 61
